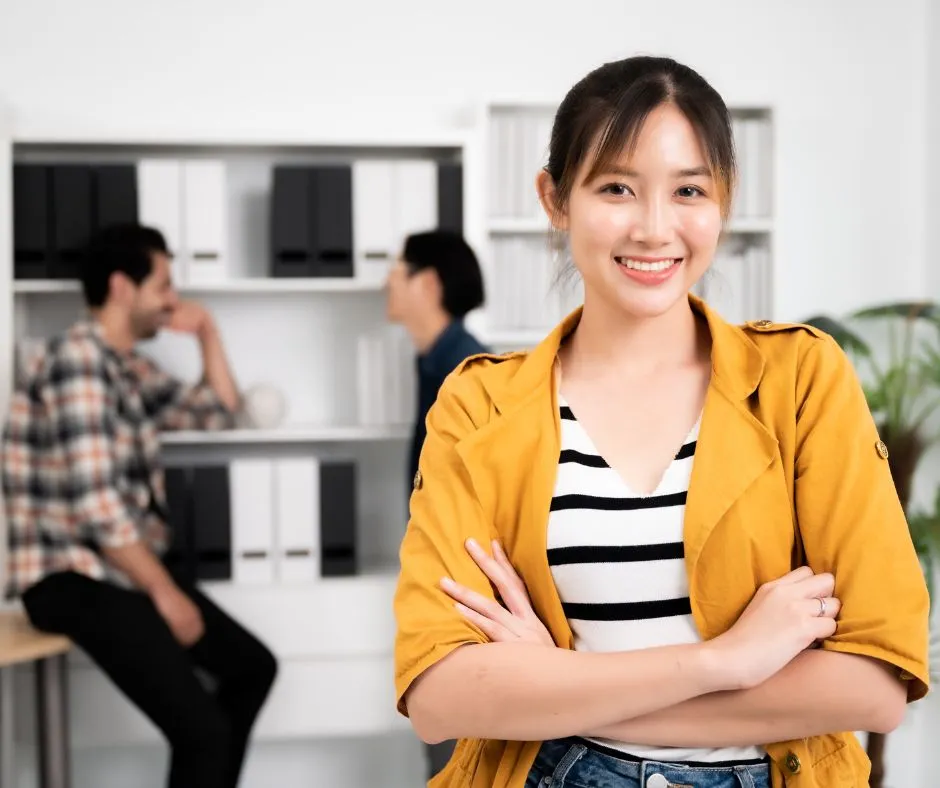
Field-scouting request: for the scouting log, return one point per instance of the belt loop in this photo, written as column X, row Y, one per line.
column 745, row 778
column 568, row 760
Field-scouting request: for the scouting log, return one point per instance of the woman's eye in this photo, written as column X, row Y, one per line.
column 687, row 192
column 617, row 189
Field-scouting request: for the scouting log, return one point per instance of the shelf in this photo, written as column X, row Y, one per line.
column 750, row 225
column 533, row 225
column 354, row 697
column 258, row 285
column 516, row 340
column 288, row 434
column 325, row 132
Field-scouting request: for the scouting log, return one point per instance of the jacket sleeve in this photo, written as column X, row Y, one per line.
column 852, row 523
column 444, row 513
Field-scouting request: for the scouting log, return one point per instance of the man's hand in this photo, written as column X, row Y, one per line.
column 180, row 613
column 190, row 317
column 516, row 621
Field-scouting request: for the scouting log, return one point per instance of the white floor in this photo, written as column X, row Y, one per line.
column 394, row 761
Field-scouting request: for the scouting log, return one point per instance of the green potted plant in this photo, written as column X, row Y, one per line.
column 901, row 380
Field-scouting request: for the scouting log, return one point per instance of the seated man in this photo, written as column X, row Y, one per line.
column 86, row 509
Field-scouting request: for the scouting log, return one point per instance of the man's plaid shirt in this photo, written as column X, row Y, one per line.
column 81, row 455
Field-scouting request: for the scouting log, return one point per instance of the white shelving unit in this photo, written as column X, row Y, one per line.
column 293, row 434
column 524, row 302
column 303, row 335
column 246, row 286
column 306, row 337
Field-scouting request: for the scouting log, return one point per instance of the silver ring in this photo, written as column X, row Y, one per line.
column 822, row 606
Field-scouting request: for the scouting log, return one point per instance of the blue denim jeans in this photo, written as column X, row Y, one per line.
column 574, row 763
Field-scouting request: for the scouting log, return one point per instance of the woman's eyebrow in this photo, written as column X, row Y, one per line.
column 691, row 172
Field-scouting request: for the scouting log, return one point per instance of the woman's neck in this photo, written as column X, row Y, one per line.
column 608, row 341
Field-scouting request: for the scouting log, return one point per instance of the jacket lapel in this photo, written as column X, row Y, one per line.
column 734, row 448
column 512, row 461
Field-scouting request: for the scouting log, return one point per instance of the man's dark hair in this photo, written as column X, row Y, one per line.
column 451, row 257
column 127, row 248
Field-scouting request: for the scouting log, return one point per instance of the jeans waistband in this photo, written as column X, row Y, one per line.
column 584, row 762
column 625, row 756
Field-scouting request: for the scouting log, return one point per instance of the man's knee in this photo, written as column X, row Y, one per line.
column 265, row 668
column 207, row 734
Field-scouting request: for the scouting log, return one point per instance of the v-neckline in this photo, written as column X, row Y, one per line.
column 632, row 492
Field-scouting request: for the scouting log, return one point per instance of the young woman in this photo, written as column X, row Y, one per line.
column 658, row 550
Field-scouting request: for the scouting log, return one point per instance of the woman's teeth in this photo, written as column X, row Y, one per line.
column 639, row 265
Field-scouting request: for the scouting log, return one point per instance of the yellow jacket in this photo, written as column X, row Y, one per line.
column 788, row 470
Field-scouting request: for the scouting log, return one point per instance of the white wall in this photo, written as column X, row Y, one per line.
column 848, row 80
column 931, row 203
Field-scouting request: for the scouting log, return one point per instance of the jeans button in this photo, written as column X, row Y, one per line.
column 657, row 781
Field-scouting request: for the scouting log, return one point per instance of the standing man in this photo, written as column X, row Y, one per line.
column 87, row 511
column 436, row 282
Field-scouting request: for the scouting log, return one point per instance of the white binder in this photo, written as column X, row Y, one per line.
column 391, row 200
column 205, row 222
column 415, row 198
column 251, row 487
column 159, row 188
column 375, row 244
column 297, row 503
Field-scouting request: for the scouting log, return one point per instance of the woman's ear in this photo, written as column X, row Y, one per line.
column 545, row 188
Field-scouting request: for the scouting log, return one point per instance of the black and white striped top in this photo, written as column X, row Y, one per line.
column 617, row 559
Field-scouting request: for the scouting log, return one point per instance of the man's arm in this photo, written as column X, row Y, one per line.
column 148, row 574
column 210, row 404
column 216, row 370
column 138, row 562
column 818, row 692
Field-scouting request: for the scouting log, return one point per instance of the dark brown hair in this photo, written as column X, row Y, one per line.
column 603, row 114
column 457, row 268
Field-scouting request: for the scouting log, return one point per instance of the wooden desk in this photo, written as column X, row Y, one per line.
column 21, row 643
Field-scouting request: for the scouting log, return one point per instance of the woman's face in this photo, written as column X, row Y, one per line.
column 642, row 233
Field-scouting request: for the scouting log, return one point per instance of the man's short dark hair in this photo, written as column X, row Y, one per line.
column 124, row 248
column 451, row 257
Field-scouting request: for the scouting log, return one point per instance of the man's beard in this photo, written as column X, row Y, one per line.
column 146, row 327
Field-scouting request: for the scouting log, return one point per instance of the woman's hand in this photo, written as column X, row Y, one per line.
column 785, row 617
column 516, row 621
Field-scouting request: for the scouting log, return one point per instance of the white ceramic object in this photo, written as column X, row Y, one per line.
column 264, row 407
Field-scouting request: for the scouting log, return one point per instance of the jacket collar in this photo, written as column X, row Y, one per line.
column 734, row 449
column 737, row 363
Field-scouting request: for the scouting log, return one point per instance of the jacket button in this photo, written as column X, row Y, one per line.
column 792, row 762
column 762, row 323
column 418, row 481
column 882, row 449
column 905, row 676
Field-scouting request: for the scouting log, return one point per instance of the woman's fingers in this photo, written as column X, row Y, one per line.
column 827, row 606
column 494, row 631
column 502, row 576
column 483, row 605
column 517, row 595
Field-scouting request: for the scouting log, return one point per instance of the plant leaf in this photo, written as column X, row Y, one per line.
column 847, row 339
column 876, row 397
column 906, row 310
